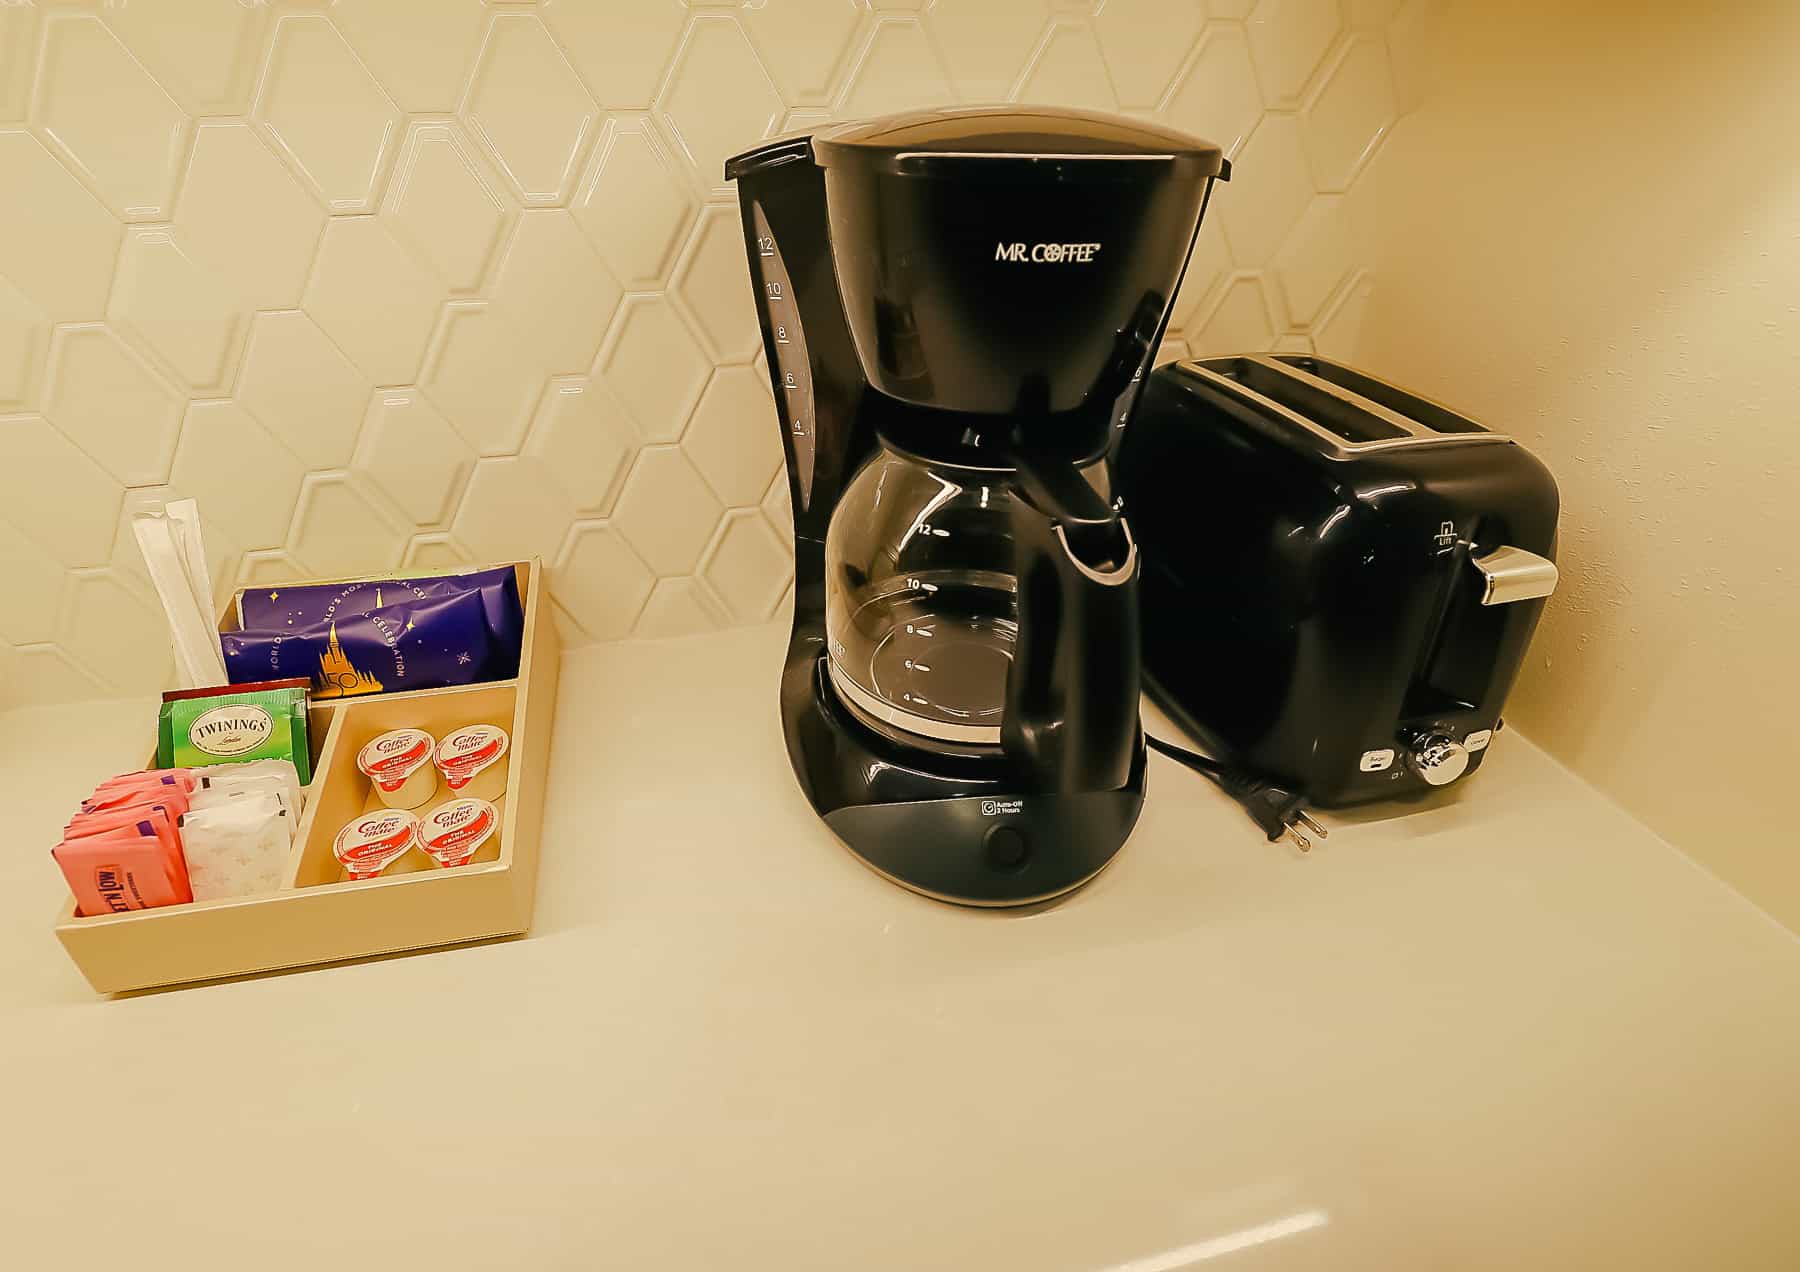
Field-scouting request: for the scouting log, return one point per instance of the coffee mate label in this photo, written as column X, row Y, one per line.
column 374, row 841
column 390, row 759
column 454, row 832
column 466, row 752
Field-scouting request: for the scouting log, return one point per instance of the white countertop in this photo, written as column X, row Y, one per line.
column 1511, row 1030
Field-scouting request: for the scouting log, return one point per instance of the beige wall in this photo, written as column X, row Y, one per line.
column 1590, row 237
column 386, row 282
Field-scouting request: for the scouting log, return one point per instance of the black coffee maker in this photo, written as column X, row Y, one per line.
column 959, row 308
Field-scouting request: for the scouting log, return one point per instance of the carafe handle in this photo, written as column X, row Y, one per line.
column 1072, row 692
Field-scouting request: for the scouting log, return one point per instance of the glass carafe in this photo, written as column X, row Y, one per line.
column 921, row 600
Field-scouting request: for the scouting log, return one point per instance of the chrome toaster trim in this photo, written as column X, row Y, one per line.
column 1263, row 407
column 1513, row 574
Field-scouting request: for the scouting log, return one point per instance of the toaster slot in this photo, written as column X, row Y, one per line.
column 1313, row 402
column 1475, row 643
column 1460, row 661
column 1434, row 417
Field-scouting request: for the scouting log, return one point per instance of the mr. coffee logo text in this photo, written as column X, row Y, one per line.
column 1046, row 253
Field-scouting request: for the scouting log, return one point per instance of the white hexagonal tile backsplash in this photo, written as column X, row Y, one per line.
column 414, row 282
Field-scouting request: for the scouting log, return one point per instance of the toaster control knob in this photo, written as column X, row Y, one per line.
column 1440, row 760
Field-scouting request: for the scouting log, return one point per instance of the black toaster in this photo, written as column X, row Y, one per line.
column 1340, row 578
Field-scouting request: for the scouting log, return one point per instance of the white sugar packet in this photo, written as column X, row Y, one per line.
column 219, row 796
column 238, row 848
column 256, row 775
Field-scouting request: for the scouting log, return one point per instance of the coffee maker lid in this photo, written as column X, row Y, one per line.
column 1042, row 141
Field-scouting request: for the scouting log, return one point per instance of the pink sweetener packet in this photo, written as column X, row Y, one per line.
column 173, row 798
column 116, row 791
column 117, row 871
column 187, row 779
column 164, row 820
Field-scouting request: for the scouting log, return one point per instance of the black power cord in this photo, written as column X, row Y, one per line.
column 1273, row 807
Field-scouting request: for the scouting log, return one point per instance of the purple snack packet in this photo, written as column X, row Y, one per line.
column 293, row 607
column 410, row 644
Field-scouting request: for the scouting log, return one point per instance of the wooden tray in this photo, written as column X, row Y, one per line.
column 319, row 915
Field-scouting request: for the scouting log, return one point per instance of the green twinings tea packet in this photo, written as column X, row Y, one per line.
column 225, row 726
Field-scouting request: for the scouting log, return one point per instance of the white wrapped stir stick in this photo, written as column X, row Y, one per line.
column 175, row 553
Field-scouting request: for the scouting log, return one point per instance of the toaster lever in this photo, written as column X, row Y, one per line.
column 1513, row 574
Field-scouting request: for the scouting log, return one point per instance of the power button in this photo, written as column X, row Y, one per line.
column 1007, row 848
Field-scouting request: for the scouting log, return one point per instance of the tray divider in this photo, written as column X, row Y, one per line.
column 334, row 733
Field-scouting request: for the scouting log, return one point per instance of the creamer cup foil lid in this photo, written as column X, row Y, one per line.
column 454, row 832
column 464, row 753
column 390, row 759
column 374, row 841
